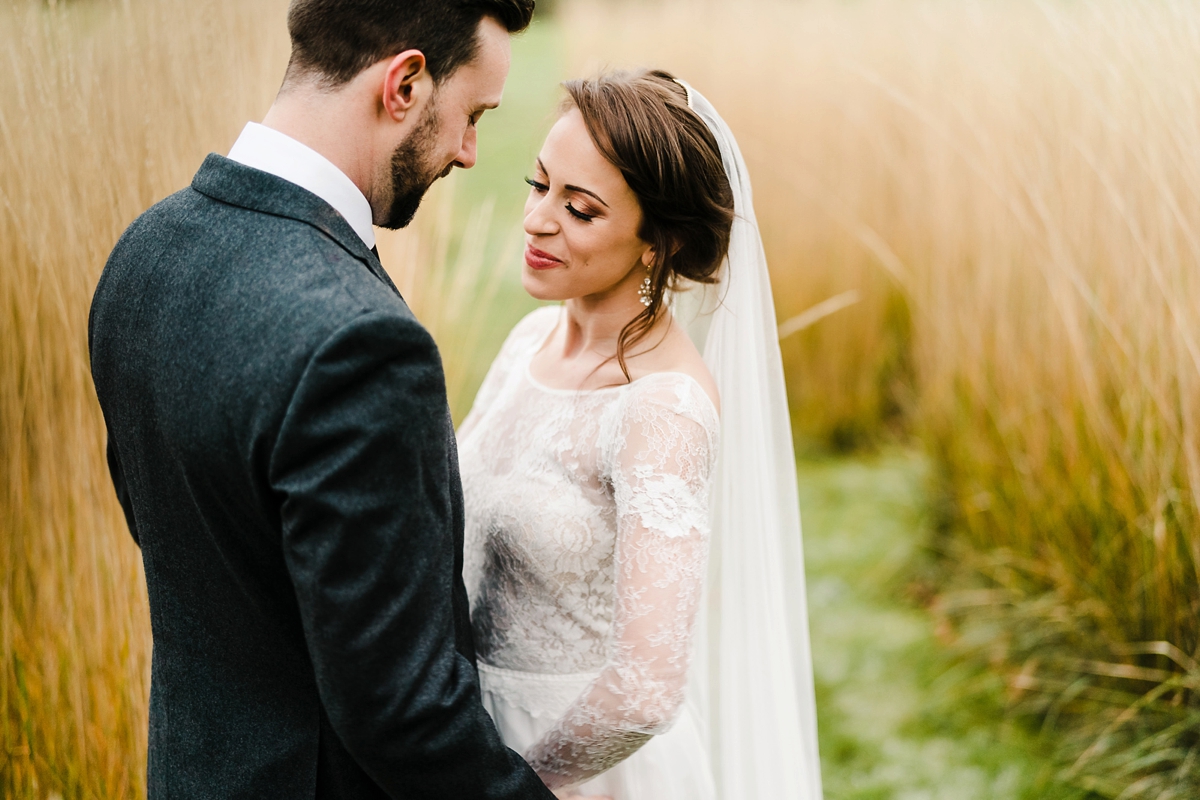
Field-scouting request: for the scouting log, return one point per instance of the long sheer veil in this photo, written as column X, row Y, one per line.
column 752, row 678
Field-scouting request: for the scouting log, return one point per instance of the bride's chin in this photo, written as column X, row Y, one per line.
column 538, row 288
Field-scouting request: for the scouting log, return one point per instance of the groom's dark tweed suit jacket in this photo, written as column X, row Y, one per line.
column 280, row 441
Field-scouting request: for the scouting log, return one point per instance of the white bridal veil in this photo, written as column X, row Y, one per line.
column 752, row 676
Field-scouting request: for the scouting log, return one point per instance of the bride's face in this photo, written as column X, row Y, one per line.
column 581, row 222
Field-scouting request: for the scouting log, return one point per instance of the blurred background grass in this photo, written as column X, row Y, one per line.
column 981, row 218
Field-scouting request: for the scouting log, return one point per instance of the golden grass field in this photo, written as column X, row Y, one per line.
column 106, row 108
column 1003, row 198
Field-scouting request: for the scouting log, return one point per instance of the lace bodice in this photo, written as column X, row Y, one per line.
column 586, row 545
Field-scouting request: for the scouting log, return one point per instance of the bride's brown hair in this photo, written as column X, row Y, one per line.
column 641, row 123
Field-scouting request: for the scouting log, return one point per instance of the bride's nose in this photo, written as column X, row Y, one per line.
column 539, row 219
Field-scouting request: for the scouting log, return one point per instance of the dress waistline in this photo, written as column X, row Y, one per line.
column 545, row 695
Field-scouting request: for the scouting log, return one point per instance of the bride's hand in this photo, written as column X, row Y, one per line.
column 568, row 794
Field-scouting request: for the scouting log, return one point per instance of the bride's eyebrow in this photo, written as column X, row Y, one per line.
column 572, row 188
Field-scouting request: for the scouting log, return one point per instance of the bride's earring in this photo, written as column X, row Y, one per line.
column 644, row 292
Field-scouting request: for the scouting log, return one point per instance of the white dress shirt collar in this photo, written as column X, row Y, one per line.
column 268, row 150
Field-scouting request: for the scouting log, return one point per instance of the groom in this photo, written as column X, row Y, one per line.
column 279, row 437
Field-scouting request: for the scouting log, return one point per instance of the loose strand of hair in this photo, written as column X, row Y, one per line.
column 637, row 328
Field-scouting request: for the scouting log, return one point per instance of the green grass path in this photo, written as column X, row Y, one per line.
column 898, row 719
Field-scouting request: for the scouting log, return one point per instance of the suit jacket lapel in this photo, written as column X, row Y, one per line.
column 230, row 182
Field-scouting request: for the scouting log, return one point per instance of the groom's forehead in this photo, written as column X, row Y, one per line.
column 480, row 81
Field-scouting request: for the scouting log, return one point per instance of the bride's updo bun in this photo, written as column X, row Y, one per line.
column 641, row 123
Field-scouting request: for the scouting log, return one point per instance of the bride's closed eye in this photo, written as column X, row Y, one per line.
column 542, row 188
column 579, row 215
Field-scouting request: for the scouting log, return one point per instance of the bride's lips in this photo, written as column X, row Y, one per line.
column 539, row 259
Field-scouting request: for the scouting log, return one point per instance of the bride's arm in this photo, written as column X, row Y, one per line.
column 660, row 481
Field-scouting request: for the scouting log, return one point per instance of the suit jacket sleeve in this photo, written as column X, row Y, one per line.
column 118, row 478
column 115, row 468
column 361, row 466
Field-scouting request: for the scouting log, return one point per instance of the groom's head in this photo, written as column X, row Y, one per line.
column 421, row 72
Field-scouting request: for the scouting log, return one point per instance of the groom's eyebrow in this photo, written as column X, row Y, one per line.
column 482, row 107
column 572, row 188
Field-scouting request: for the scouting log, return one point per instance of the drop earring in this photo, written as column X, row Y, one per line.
column 644, row 292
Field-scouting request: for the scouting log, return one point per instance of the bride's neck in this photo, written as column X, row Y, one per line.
column 593, row 327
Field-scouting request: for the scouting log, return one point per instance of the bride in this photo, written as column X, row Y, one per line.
column 633, row 545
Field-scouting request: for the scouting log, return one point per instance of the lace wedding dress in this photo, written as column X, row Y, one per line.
column 589, row 524
column 587, row 516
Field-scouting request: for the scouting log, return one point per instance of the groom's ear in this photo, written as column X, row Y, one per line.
column 407, row 84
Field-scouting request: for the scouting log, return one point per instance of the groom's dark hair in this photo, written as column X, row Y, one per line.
column 334, row 40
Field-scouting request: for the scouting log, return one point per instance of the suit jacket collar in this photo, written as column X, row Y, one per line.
column 229, row 182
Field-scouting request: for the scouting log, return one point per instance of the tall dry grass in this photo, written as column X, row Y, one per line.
column 106, row 107
column 1013, row 190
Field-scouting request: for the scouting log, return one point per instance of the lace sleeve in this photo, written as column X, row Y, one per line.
column 660, row 473
column 529, row 332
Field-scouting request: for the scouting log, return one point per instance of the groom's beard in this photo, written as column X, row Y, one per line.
column 411, row 173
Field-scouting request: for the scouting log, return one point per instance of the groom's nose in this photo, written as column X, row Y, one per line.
column 466, row 157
